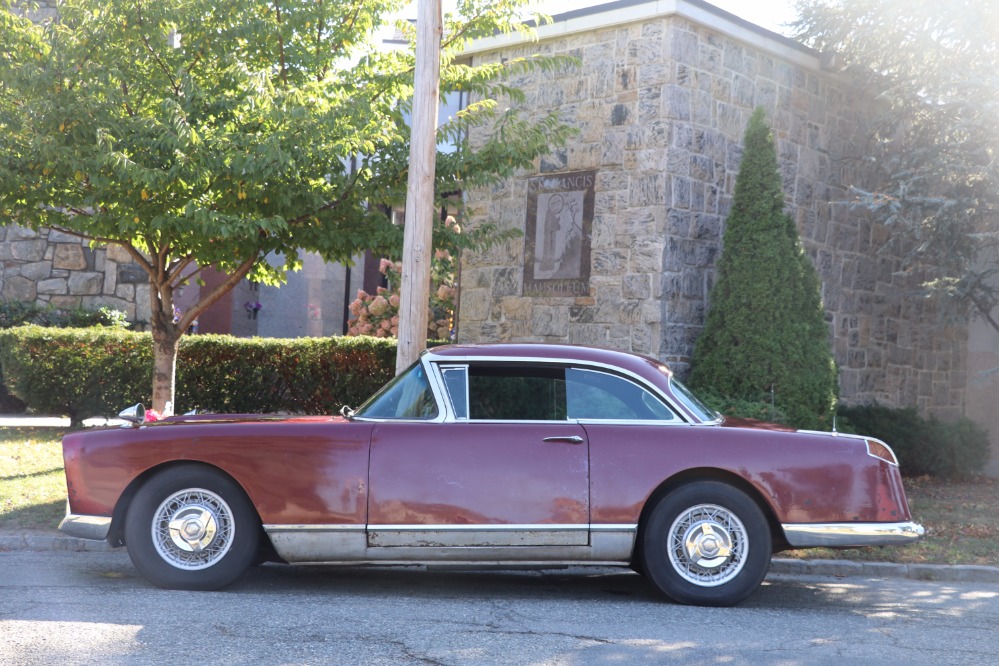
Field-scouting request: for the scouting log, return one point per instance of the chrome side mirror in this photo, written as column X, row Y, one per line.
column 134, row 414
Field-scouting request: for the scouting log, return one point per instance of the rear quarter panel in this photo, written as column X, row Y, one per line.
column 803, row 478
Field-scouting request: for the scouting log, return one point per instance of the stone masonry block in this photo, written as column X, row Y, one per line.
column 69, row 257
column 86, row 284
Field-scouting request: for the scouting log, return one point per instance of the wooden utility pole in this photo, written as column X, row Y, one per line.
column 418, row 232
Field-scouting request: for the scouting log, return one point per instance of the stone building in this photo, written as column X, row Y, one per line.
column 622, row 228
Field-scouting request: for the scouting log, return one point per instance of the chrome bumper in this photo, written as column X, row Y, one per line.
column 86, row 527
column 843, row 535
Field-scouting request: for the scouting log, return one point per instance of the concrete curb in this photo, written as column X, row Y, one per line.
column 955, row 573
column 961, row 573
column 51, row 542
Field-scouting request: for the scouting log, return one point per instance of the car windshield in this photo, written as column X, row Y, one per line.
column 692, row 402
column 408, row 396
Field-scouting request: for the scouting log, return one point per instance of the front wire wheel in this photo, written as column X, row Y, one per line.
column 707, row 543
column 191, row 528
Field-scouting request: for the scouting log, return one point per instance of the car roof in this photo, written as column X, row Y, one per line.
column 637, row 363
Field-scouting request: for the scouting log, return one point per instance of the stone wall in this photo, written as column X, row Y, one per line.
column 51, row 267
column 661, row 102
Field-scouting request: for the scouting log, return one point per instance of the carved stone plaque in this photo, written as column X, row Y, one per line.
column 557, row 236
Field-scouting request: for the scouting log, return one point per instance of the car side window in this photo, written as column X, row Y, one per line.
column 516, row 393
column 591, row 394
column 408, row 396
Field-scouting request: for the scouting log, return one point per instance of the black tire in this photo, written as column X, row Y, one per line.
column 707, row 544
column 213, row 538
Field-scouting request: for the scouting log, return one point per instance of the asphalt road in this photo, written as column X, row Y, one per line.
column 93, row 608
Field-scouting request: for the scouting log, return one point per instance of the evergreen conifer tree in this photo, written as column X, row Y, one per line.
column 766, row 329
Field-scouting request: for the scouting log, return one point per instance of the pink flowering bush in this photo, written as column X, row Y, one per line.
column 378, row 314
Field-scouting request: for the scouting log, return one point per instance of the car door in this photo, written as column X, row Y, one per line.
column 504, row 468
column 628, row 429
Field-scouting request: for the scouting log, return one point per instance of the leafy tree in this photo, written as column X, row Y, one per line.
column 765, row 334
column 931, row 66
column 205, row 133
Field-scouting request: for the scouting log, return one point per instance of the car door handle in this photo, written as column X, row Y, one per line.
column 570, row 439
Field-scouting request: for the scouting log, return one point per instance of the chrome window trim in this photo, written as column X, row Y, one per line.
column 634, row 422
column 435, row 360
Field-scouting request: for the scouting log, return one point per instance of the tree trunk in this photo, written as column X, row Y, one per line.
column 166, row 339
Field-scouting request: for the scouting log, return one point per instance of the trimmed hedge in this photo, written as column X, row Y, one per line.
column 924, row 446
column 224, row 374
column 18, row 313
column 98, row 372
column 81, row 372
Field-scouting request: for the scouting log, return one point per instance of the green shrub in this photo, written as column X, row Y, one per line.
column 924, row 446
column 16, row 313
column 98, row 372
column 765, row 329
column 761, row 410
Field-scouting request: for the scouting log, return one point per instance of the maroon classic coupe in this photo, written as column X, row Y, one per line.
column 491, row 455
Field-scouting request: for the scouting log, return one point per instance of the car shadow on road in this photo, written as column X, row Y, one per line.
column 589, row 584
column 416, row 581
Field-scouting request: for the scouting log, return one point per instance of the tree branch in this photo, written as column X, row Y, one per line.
column 215, row 294
column 284, row 67
column 156, row 56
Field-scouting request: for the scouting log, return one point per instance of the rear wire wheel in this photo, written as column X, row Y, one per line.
column 708, row 544
column 191, row 528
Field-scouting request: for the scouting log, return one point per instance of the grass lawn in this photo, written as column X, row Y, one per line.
column 961, row 517
column 32, row 485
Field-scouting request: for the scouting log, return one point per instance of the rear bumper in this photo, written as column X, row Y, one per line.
column 841, row 535
column 86, row 527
